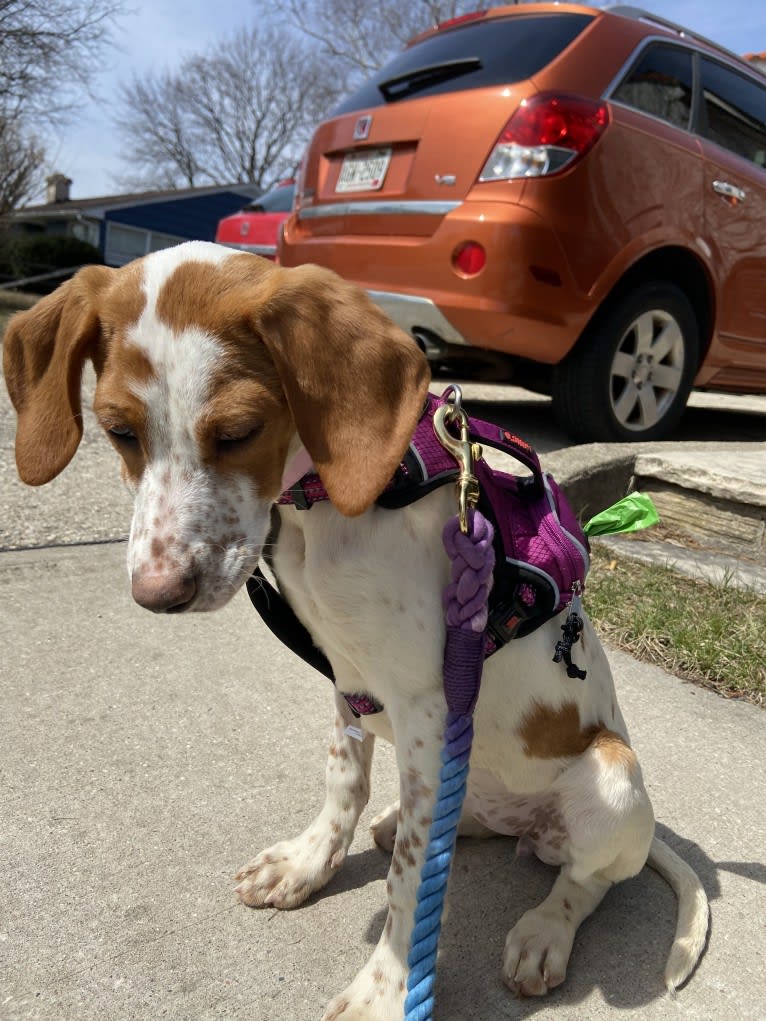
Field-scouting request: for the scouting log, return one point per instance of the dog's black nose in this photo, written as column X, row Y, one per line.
column 167, row 592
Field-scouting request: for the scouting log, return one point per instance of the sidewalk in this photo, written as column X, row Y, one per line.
column 144, row 759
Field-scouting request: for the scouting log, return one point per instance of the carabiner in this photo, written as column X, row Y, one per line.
column 464, row 453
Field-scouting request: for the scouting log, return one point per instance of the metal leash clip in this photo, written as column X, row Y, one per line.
column 464, row 452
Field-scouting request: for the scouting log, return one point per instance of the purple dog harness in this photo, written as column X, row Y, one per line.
column 541, row 552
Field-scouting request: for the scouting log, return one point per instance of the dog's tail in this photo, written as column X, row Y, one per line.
column 693, row 912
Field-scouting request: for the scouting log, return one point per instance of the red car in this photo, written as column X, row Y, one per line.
column 255, row 228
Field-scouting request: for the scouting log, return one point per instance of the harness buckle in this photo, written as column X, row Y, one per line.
column 463, row 450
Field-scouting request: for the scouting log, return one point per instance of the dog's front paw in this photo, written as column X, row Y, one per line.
column 537, row 952
column 376, row 994
column 285, row 875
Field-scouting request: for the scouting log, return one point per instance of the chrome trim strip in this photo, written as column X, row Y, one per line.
column 390, row 207
column 267, row 250
column 412, row 312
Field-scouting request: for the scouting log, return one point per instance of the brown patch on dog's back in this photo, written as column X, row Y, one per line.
column 549, row 733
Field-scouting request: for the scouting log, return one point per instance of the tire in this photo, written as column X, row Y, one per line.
column 630, row 374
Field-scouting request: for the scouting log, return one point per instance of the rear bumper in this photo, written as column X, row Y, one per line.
column 415, row 313
column 525, row 302
column 267, row 251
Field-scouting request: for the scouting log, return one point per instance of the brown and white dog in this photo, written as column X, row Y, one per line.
column 215, row 370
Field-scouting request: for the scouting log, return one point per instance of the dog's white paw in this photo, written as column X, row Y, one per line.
column 285, row 875
column 376, row 994
column 537, row 952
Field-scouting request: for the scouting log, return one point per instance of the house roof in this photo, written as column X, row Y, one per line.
column 98, row 206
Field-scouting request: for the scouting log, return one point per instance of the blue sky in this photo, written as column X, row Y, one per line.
column 159, row 33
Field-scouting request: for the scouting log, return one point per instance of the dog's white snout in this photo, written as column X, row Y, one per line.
column 165, row 592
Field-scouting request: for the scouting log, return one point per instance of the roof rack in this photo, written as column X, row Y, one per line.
column 639, row 14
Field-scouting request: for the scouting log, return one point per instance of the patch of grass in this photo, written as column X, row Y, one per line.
column 713, row 634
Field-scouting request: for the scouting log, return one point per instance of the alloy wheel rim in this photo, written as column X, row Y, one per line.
column 647, row 370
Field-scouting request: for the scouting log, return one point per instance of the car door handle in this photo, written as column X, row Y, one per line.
column 729, row 191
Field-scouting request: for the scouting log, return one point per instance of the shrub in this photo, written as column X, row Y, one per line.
column 32, row 255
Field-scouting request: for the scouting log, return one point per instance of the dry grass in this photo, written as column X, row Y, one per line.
column 714, row 635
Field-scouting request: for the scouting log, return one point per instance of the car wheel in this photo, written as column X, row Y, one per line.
column 630, row 375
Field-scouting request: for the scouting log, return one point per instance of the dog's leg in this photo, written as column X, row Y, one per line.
column 384, row 824
column 287, row 873
column 537, row 949
column 608, row 820
column 379, row 989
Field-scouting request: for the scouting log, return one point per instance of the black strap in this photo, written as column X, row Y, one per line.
column 507, row 442
column 279, row 617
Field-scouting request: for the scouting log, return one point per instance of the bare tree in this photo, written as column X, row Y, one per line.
column 21, row 160
column 49, row 50
column 241, row 111
column 360, row 36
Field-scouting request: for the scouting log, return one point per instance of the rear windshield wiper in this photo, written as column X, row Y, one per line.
column 421, row 77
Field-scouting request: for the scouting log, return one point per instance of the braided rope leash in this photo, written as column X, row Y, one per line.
column 465, row 603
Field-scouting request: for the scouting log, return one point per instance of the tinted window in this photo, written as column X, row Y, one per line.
column 660, row 84
column 279, row 200
column 735, row 112
column 497, row 51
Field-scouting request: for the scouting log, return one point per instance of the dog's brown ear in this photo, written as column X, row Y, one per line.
column 44, row 351
column 354, row 381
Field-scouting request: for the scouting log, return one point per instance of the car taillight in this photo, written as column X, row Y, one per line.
column 545, row 135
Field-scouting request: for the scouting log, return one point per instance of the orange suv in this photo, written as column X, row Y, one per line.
column 569, row 197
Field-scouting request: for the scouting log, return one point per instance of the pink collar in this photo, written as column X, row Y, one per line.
column 300, row 464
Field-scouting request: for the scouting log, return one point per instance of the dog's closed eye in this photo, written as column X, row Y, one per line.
column 122, row 433
column 231, row 438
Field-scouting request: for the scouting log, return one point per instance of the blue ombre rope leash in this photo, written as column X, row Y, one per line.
column 468, row 542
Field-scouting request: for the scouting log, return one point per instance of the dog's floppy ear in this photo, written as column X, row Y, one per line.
column 44, row 351
column 354, row 381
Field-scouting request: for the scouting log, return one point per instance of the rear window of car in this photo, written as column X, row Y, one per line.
column 495, row 51
column 278, row 200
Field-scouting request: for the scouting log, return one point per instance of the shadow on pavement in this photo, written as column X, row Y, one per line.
column 620, row 950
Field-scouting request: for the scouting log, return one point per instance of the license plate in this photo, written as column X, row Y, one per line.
column 363, row 171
